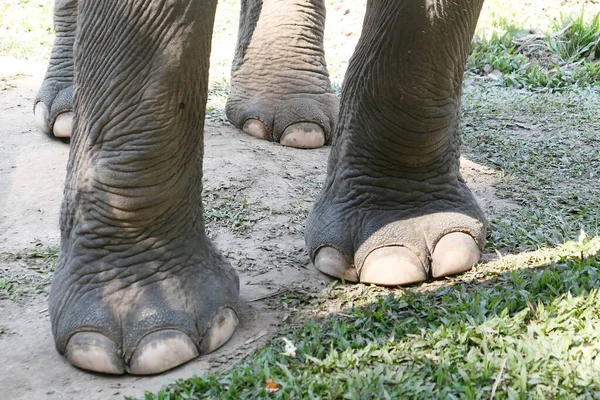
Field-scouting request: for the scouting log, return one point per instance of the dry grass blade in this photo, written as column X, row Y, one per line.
column 498, row 379
column 525, row 42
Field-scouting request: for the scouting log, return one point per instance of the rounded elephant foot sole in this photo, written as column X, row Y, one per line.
column 222, row 327
column 392, row 266
column 385, row 266
column 454, row 253
column 156, row 352
column 333, row 263
column 161, row 351
column 63, row 125
column 302, row 135
column 257, row 129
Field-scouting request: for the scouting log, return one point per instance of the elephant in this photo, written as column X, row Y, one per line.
column 138, row 286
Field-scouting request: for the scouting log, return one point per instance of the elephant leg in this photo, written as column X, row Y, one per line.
column 280, row 88
column 53, row 105
column 394, row 208
column 138, row 287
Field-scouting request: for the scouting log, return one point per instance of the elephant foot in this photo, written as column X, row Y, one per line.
column 53, row 109
column 302, row 121
column 142, row 318
column 303, row 135
column 281, row 92
column 394, row 231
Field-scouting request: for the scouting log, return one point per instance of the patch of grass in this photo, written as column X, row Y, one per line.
column 26, row 29
column 293, row 299
column 580, row 39
column 217, row 98
column 226, row 208
column 44, row 252
column 496, row 53
column 527, row 332
column 545, row 149
column 27, row 273
column 565, row 58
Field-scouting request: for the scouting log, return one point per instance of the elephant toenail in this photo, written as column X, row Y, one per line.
column 41, row 114
column 392, row 266
column 63, row 125
column 303, row 135
column 453, row 254
column 94, row 352
column 160, row 351
column 256, row 128
column 333, row 263
column 221, row 328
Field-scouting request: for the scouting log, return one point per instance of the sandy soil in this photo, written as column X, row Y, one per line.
column 257, row 195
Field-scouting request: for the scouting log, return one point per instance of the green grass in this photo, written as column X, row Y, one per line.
column 544, row 150
column 26, row 29
column 27, row 273
column 580, row 40
column 567, row 56
column 524, row 327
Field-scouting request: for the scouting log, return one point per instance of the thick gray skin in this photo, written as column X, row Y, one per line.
column 138, row 286
column 394, row 208
column 280, row 86
column 136, row 271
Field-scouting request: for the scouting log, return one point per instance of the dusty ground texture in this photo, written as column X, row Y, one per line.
column 257, row 196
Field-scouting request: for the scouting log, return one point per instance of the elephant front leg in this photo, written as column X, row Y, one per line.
column 394, row 208
column 53, row 105
column 280, row 88
column 138, row 286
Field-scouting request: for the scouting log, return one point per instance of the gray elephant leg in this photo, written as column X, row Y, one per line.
column 280, row 88
column 394, row 208
column 138, row 286
column 53, row 104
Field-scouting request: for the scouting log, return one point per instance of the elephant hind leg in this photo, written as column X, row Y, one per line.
column 53, row 105
column 280, row 88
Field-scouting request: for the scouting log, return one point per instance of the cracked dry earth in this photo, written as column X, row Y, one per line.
column 257, row 197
